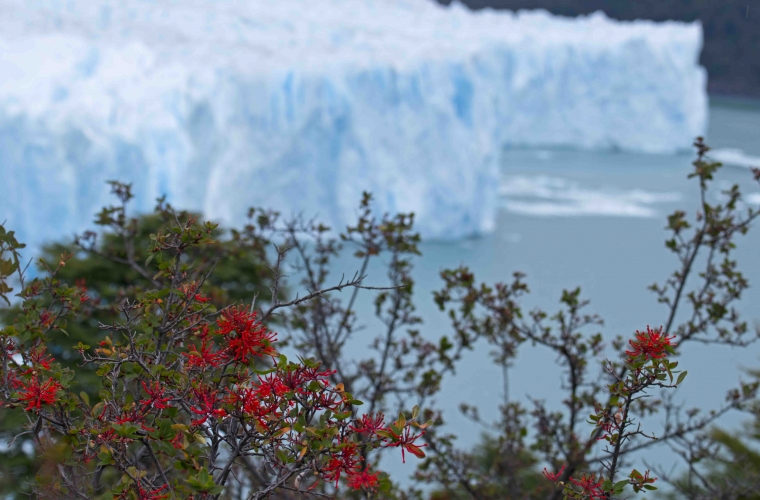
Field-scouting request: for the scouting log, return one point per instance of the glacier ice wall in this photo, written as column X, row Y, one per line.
column 300, row 105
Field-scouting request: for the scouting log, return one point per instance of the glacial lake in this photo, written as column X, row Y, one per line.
column 594, row 220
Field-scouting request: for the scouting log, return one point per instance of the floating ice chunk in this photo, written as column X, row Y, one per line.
column 735, row 157
column 753, row 199
column 553, row 196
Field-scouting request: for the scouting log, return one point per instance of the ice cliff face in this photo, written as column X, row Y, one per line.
column 300, row 105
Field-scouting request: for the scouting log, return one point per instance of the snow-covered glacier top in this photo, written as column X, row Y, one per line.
column 302, row 104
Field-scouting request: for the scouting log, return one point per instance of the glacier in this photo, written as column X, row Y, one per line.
column 300, row 105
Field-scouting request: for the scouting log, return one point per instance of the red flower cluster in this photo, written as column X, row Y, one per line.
column 156, row 399
column 553, row 477
column 265, row 399
column 207, row 402
column 590, row 486
column 80, row 284
column 368, row 424
column 39, row 359
column 177, row 442
column 213, row 379
column 46, row 318
column 132, row 416
column 346, row 460
column 650, row 344
column 246, row 338
column 37, row 394
column 363, row 480
column 156, row 494
column 295, row 380
column 203, row 357
column 190, row 289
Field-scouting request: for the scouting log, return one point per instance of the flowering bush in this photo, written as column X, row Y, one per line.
column 647, row 367
column 700, row 297
column 189, row 395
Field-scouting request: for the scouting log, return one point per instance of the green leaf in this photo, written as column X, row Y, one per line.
column 620, row 486
column 263, row 372
column 681, row 377
column 104, row 458
column 385, row 434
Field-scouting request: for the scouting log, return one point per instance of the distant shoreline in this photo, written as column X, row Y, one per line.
column 753, row 95
column 735, row 100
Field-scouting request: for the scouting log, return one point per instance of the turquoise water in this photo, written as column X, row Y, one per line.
column 594, row 220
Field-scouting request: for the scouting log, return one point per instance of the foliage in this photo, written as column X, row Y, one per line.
column 189, row 396
column 108, row 269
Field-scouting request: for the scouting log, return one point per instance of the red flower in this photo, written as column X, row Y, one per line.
column 369, row 424
column 190, row 289
column 296, row 379
column 133, row 417
column 260, row 402
column 590, row 487
column 82, row 289
column 37, row 394
column 345, row 460
column 651, row 344
column 13, row 380
column 203, row 357
column 177, row 442
column 156, row 399
column 271, row 385
column 251, row 339
column 143, row 494
column 363, row 480
column 406, row 442
column 553, row 477
column 39, row 359
column 206, row 402
column 46, row 318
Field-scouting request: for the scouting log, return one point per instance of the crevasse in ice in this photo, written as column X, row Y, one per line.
column 300, row 105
